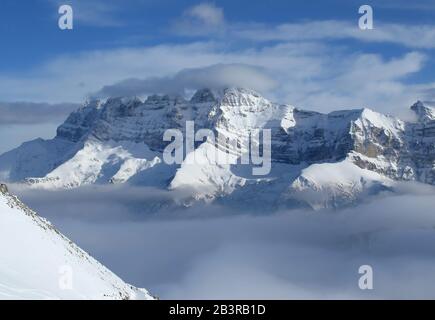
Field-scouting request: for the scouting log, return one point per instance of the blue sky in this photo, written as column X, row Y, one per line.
column 307, row 53
column 30, row 35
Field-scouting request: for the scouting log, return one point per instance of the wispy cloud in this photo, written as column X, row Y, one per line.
column 218, row 76
column 312, row 75
column 209, row 19
column 291, row 254
column 13, row 113
column 97, row 13
column 201, row 19
column 412, row 36
column 293, row 63
column 207, row 14
column 25, row 121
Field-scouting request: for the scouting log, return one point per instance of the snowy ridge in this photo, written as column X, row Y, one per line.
column 34, row 254
column 350, row 184
column 121, row 141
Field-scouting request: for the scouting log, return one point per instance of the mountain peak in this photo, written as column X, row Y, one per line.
column 93, row 103
column 425, row 111
column 123, row 141
column 203, row 96
column 236, row 97
column 241, row 91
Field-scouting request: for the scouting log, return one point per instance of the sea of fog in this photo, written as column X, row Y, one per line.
column 208, row 251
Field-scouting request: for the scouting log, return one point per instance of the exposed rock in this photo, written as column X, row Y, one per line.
column 3, row 189
column 121, row 140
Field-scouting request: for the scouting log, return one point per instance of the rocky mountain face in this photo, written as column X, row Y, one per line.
column 318, row 160
column 400, row 151
column 38, row 262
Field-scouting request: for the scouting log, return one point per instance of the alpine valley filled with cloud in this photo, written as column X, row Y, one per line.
column 336, row 122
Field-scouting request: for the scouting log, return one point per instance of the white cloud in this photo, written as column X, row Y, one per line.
column 366, row 80
column 290, row 63
column 97, row 13
column 14, row 135
column 25, row 121
column 202, row 19
column 311, row 75
column 282, row 255
column 412, row 36
column 207, row 13
column 217, row 76
column 207, row 19
column 16, row 113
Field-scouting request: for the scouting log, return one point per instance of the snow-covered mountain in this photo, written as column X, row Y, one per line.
column 318, row 160
column 37, row 262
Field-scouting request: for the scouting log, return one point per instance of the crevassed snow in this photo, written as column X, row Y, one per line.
column 36, row 261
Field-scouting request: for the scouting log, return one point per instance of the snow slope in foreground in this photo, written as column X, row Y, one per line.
column 37, row 262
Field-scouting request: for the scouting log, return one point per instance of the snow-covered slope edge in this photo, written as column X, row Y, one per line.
column 38, row 262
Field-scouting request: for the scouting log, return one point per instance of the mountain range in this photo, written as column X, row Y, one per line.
column 318, row 160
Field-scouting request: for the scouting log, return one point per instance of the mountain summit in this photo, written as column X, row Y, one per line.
column 318, row 160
